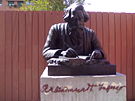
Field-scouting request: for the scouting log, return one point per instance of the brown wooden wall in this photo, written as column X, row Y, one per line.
column 22, row 36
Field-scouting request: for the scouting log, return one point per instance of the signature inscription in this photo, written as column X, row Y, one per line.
column 89, row 88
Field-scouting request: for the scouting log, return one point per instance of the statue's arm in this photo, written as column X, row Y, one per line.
column 50, row 49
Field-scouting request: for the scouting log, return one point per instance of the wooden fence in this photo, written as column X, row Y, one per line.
column 22, row 36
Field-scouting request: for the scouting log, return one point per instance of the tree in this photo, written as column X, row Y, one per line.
column 47, row 5
column 69, row 2
column 41, row 5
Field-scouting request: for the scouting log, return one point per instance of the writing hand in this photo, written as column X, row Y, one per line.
column 69, row 53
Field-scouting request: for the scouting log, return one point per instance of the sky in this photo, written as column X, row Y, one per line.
column 127, row 6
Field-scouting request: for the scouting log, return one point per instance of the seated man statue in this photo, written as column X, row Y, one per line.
column 72, row 39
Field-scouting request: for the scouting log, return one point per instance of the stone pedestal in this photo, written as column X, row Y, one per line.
column 83, row 88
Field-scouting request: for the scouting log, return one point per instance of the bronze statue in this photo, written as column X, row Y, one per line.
column 71, row 46
column 72, row 38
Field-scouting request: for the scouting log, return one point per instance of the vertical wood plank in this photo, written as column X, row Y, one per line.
column 123, row 43
column 93, row 21
column 22, row 57
column 58, row 17
column 8, row 57
column 29, row 56
column 100, row 27
column 106, row 34
column 133, row 56
column 54, row 16
column 35, row 53
column 118, row 42
column 45, row 27
column 129, row 55
column 2, row 56
column 15, row 56
column 112, row 39
column 41, row 41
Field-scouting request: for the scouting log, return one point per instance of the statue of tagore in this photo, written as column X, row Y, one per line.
column 71, row 42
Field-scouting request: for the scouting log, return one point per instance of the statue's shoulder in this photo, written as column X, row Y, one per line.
column 59, row 26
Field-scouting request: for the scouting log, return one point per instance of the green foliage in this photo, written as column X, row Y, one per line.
column 47, row 5
column 69, row 2
column 43, row 5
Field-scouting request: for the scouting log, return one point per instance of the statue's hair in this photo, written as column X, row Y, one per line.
column 69, row 12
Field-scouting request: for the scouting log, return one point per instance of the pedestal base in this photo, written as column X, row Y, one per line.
column 83, row 88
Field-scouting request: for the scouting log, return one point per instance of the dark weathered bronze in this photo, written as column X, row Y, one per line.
column 79, row 66
column 93, row 69
column 71, row 40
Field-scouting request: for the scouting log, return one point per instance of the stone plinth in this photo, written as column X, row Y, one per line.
column 83, row 88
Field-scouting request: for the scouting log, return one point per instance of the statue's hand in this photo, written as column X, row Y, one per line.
column 94, row 57
column 96, row 54
column 69, row 53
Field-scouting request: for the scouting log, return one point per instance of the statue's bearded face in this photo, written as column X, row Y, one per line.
column 78, row 19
